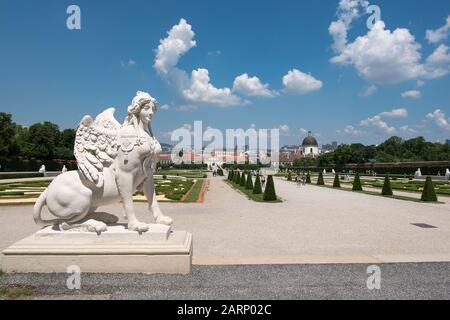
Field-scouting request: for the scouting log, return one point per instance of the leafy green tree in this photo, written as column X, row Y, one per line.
column 269, row 192
column 387, row 189
column 257, row 189
column 7, row 132
column 44, row 137
column 428, row 193
column 337, row 181
column 320, row 181
column 357, row 183
column 249, row 185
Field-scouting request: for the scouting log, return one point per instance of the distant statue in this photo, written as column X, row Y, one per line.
column 333, row 171
column 418, row 173
column 447, row 173
column 114, row 162
column 42, row 169
column 64, row 169
column 324, row 171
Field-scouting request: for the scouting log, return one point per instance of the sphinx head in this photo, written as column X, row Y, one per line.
column 142, row 108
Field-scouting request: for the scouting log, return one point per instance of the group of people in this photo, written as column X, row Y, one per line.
column 300, row 180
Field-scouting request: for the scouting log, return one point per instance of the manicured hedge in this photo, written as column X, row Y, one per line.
column 337, row 181
column 387, row 189
column 257, row 189
column 269, row 192
column 357, row 183
column 429, row 194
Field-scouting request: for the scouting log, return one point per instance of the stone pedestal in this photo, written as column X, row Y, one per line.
column 117, row 250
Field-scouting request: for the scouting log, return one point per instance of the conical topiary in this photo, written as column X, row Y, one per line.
column 320, row 181
column 230, row 175
column 428, row 193
column 337, row 181
column 387, row 189
column 308, row 178
column 237, row 178
column 257, row 187
column 249, row 185
column 242, row 183
column 269, row 192
column 289, row 177
column 357, row 183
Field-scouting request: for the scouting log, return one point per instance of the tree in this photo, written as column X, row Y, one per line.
column 320, row 181
column 308, row 178
column 257, row 187
column 337, row 182
column 7, row 132
column 45, row 138
column 249, row 185
column 357, row 183
column 428, row 193
column 289, row 177
column 242, row 183
column 387, row 189
column 237, row 178
column 269, row 192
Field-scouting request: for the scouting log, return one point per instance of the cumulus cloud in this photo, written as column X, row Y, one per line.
column 303, row 130
column 195, row 88
column 352, row 131
column 297, row 82
column 370, row 90
column 439, row 119
column 438, row 35
column 395, row 113
column 415, row 94
column 408, row 129
column 379, row 123
column 251, row 86
column 202, row 91
column 381, row 56
column 420, row 83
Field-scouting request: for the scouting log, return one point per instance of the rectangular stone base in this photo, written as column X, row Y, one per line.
column 115, row 251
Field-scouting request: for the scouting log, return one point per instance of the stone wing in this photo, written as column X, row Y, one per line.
column 96, row 145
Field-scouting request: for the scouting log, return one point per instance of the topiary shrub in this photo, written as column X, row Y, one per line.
column 320, row 181
column 308, row 178
column 243, row 182
column 249, row 185
column 230, row 175
column 428, row 193
column 257, row 189
column 269, row 192
column 337, row 182
column 357, row 183
column 220, row 172
column 237, row 177
column 289, row 177
column 387, row 189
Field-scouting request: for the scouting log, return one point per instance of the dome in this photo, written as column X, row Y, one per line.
column 310, row 141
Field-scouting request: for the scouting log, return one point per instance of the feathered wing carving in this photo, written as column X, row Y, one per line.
column 96, row 145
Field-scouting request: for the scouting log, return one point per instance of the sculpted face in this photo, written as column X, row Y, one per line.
column 147, row 112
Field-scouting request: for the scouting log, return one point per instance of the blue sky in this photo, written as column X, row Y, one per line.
column 50, row 73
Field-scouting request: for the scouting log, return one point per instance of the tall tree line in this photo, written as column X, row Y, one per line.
column 40, row 141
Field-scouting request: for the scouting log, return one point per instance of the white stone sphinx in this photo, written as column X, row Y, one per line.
column 418, row 174
column 114, row 162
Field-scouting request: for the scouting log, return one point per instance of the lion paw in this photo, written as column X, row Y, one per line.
column 138, row 226
column 95, row 226
column 164, row 220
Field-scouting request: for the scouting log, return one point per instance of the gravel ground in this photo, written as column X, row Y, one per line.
column 292, row 282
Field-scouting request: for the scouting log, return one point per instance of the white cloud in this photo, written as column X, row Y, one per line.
column 415, row 94
column 420, row 83
column 439, row 119
column 130, row 62
column 435, row 36
column 381, row 56
column 377, row 122
column 165, row 107
column 196, row 88
column 395, row 113
column 178, row 42
column 303, row 130
column 284, row 130
column 251, row 86
column 202, row 91
column 408, row 129
column 439, row 57
column 352, row 131
column 297, row 82
column 369, row 91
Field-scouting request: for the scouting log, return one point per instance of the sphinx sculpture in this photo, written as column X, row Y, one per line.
column 114, row 162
